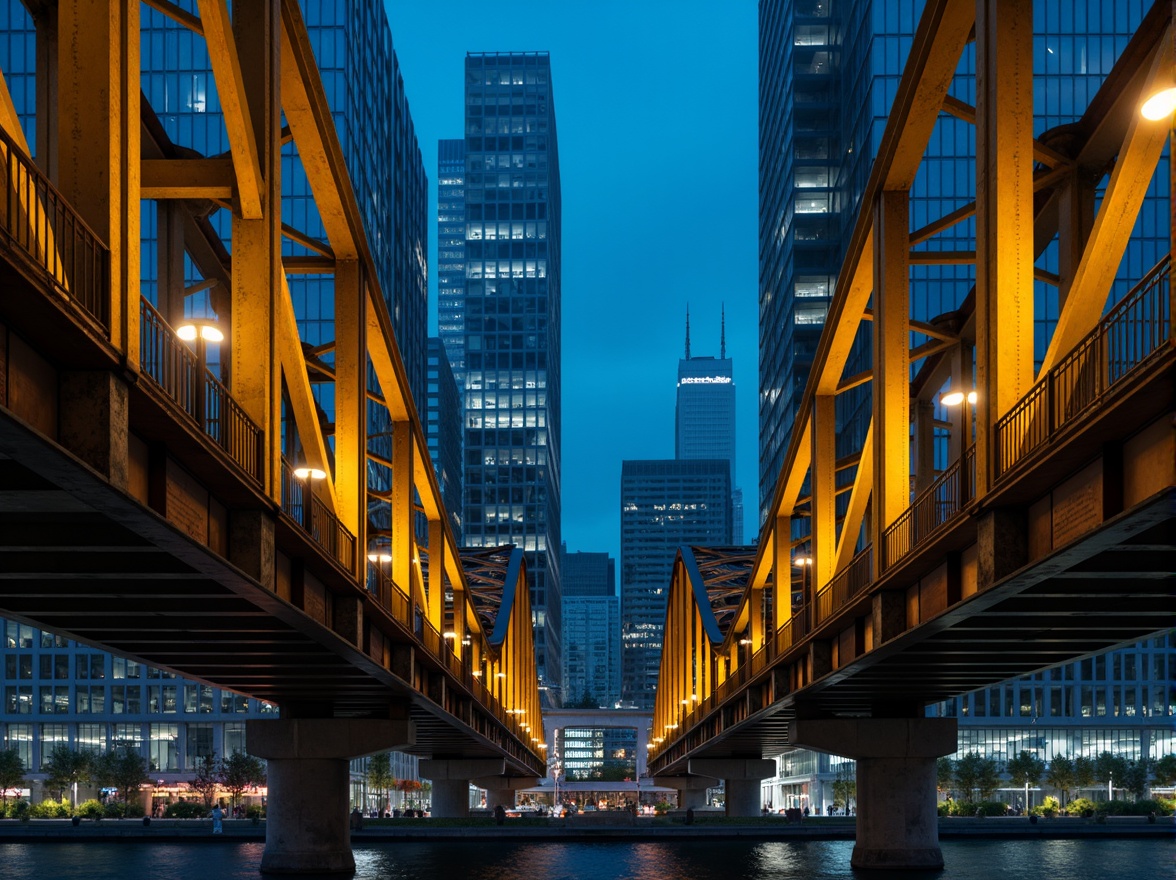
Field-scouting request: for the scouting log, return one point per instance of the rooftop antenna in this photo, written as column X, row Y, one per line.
column 723, row 333
column 687, row 331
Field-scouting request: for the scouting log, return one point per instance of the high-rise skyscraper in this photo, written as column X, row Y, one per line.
column 704, row 414
column 664, row 504
column 591, row 629
column 509, row 303
column 451, row 252
column 442, row 417
column 828, row 71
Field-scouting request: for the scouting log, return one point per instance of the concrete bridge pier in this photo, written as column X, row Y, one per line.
column 500, row 790
column 897, row 821
column 306, row 830
column 741, row 780
column 691, row 789
column 451, row 782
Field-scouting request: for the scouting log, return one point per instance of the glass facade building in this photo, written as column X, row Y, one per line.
column 451, row 269
column 1121, row 701
column 664, row 504
column 509, row 310
column 829, row 71
column 443, row 430
column 61, row 692
column 591, row 623
column 704, row 415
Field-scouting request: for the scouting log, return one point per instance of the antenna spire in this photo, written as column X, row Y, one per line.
column 723, row 333
column 687, row 331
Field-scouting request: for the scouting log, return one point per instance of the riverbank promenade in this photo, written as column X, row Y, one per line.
column 662, row 828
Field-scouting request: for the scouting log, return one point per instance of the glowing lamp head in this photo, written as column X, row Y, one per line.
column 1160, row 105
column 309, row 473
column 802, row 561
column 190, row 331
column 449, row 634
column 956, row 397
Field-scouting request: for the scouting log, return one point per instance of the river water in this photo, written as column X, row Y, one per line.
column 654, row 860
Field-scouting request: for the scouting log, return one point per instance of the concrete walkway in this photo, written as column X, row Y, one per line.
column 239, row 830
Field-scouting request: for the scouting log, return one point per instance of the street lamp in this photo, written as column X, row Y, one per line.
column 805, row 564
column 1159, row 105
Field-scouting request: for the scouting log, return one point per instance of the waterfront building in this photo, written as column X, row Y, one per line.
column 1120, row 701
column 591, row 630
column 509, row 306
column 442, row 416
column 664, row 504
column 61, row 692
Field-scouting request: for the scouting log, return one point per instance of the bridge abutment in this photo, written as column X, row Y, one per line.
column 741, row 779
column 309, row 780
column 897, row 822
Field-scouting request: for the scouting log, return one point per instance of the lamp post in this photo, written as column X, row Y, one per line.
column 805, row 563
column 201, row 332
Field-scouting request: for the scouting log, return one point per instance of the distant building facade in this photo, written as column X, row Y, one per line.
column 664, row 504
column 451, row 251
column 704, row 415
column 442, row 417
column 1120, row 701
column 510, row 326
column 591, row 630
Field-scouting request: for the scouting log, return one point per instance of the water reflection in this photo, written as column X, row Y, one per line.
column 652, row 860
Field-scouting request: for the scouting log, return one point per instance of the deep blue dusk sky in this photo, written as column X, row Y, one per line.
column 655, row 104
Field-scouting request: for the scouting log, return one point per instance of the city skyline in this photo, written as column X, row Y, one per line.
column 685, row 174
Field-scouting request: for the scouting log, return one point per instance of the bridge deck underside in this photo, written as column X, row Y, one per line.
column 1113, row 587
column 84, row 561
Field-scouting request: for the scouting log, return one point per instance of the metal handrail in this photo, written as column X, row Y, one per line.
column 40, row 225
column 176, row 370
column 933, row 508
column 316, row 520
column 1123, row 340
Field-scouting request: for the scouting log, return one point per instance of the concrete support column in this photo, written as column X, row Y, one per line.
column 743, row 797
column 741, row 776
column 451, row 798
column 308, row 777
column 691, row 798
column 691, row 789
column 451, row 778
column 897, row 823
column 500, row 797
column 500, row 790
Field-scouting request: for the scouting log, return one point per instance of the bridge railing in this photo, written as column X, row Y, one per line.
column 324, row 528
column 933, row 508
column 177, row 371
column 846, row 584
column 1126, row 337
column 402, row 608
column 39, row 225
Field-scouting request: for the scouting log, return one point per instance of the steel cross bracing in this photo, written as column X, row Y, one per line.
column 152, row 505
column 1050, row 534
